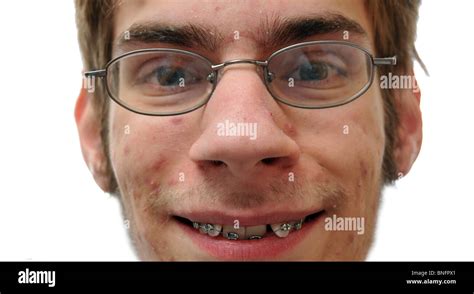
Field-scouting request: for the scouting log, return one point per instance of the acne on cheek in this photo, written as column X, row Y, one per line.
column 290, row 130
column 172, row 182
column 139, row 169
column 126, row 151
column 176, row 120
column 363, row 169
column 370, row 150
column 142, row 167
column 367, row 188
column 152, row 174
column 367, row 165
column 157, row 165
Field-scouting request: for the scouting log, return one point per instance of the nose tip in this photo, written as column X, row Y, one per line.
column 244, row 157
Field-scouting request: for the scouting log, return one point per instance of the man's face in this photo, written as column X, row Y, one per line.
column 303, row 164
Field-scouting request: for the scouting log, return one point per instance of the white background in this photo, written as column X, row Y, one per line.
column 51, row 209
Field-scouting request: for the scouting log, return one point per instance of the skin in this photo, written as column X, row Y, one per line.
column 148, row 160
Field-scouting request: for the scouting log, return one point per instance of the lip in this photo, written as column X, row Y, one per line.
column 268, row 248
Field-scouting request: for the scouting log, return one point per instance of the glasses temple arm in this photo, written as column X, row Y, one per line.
column 386, row 61
column 95, row 73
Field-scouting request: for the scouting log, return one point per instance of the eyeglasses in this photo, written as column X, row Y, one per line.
column 313, row 75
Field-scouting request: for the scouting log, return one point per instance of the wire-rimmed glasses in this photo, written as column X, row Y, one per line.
column 312, row 75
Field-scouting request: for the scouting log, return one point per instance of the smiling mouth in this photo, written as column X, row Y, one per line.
column 255, row 232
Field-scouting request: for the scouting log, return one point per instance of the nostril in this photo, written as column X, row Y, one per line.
column 217, row 162
column 269, row 160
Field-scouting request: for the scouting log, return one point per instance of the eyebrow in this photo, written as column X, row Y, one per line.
column 272, row 33
column 285, row 31
column 189, row 35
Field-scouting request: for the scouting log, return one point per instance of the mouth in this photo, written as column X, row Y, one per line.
column 236, row 232
column 259, row 238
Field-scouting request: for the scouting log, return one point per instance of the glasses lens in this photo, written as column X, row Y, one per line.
column 160, row 82
column 319, row 75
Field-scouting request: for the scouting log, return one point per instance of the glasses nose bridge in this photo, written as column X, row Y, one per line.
column 217, row 67
column 220, row 66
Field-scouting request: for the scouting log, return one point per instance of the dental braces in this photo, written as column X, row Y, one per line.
column 210, row 229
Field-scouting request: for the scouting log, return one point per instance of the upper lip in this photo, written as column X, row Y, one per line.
column 245, row 217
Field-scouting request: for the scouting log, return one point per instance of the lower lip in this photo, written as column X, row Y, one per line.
column 268, row 248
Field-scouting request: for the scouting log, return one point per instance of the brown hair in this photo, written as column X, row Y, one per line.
column 394, row 23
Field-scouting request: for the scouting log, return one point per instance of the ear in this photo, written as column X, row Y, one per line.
column 88, row 125
column 410, row 133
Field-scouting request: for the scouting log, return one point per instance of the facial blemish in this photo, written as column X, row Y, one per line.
column 172, row 182
column 363, row 169
column 126, row 150
column 176, row 120
column 290, row 130
column 158, row 165
column 154, row 185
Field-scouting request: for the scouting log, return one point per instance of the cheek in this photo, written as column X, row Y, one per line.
column 368, row 144
column 139, row 162
column 146, row 151
column 134, row 163
column 347, row 143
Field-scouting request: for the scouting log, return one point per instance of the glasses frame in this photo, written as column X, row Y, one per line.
column 267, row 76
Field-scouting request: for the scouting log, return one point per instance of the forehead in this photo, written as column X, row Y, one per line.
column 228, row 17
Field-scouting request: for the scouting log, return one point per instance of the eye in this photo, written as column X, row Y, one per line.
column 167, row 76
column 313, row 71
column 318, row 71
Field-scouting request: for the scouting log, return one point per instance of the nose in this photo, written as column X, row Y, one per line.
column 242, row 128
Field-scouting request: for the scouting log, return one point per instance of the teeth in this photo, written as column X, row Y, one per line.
column 297, row 225
column 232, row 236
column 282, row 230
column 215, row 231
column 255, row 232
column 232, row 233
column 210, row 229
column 205, row 228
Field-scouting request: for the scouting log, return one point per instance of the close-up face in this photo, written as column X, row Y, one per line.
column 247, row 175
